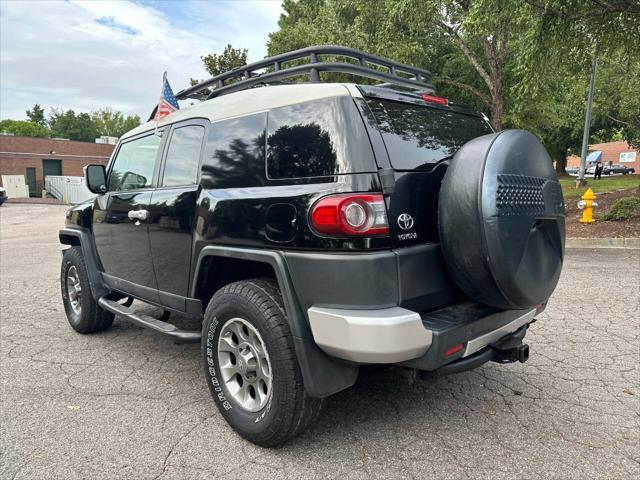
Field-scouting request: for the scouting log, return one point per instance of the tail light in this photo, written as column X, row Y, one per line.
column 435, row 100
column 351, row 214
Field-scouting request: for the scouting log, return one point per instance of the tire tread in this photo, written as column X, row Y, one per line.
column 297, row 411
column 93, row 318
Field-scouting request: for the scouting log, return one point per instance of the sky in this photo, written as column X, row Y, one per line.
column 89, row 54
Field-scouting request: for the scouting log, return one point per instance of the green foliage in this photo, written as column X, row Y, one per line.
column 230, row 58
column 24, row 129
column 113, row 123
column 524, row 62
column 85, row 127
column 371, row 26
column 68, row 124
column 625, row 208
column 36, row 115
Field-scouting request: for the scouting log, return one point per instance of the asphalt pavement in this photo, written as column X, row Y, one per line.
column 129, row 404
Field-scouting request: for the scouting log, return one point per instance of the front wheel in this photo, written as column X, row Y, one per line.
column 250, row 364
column 83, row 312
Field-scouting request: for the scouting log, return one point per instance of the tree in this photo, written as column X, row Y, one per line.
column 230, row 58
column 23, row 129
column 361, row 24
column 113, row 123
column 526, row 63
column 36, row 115
column 66, row 124
column 464, row 43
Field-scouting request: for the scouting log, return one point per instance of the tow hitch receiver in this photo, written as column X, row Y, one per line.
column 511, row 349
column 517, row 354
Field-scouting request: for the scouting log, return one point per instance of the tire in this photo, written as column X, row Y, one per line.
column 501, row 220
column 84, row 313
column 285, row 410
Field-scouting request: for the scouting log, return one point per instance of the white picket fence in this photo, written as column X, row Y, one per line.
column 68, row 189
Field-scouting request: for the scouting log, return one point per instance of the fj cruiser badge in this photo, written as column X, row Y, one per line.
column 405, row 221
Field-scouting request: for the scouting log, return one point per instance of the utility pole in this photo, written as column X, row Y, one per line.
column 580, row 182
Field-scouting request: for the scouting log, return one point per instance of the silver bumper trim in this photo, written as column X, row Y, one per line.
column 482, row 341
column 387, row 335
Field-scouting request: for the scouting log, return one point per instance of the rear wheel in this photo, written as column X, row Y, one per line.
column 83, row 312
column 251, row 366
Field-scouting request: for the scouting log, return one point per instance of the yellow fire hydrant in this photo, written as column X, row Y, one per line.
column 586, row 205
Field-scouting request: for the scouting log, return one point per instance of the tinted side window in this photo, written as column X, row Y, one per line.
column 318, row 138
column 134, row 164
column 234, row 154
column 183, row 156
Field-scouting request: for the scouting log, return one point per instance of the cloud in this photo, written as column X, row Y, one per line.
column 90, row 54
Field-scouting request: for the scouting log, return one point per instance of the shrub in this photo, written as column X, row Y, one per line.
column 625, row 208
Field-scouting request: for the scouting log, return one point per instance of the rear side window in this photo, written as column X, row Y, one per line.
column 318, row 138
column 134, row 164
column 417, row 137
column 183, row 156
column 234, row 156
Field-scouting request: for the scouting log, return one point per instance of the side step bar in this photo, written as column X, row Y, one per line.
column 180, row 336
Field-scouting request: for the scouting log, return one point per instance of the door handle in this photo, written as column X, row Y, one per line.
column 138, row 214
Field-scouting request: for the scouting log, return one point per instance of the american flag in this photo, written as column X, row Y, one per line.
column 168, row 103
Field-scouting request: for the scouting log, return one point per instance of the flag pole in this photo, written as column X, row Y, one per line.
column 164, row 81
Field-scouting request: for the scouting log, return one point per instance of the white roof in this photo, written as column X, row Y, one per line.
column 249, row 101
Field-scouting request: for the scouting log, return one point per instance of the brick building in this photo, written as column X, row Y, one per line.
column 612, row 152
column 37, row 157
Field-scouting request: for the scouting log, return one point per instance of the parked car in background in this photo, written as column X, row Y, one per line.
column 618, row 168
column 3, row 195
column 572, row 171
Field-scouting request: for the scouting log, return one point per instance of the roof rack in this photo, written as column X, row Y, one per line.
column 273, row 70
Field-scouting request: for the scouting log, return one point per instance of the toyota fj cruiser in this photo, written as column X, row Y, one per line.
column 316, row 227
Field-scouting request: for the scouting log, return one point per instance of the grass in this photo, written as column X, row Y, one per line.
column 606, row 184
column 625, row 208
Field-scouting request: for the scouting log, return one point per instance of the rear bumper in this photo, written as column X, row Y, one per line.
column 397, row 335
column 387, row 335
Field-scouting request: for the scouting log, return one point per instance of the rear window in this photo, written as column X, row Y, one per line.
column 318, row 138
column 417, row 137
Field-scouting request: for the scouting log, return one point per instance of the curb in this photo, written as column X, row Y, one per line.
column 37, row 201
column 632, row 243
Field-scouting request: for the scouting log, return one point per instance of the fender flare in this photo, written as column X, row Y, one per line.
column 322, row 375
column 94, row 267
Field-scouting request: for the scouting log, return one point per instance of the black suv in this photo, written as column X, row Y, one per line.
column 316, row 227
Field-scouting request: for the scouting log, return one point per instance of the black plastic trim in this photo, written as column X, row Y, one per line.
column 508, row 349
column 458, row 324
column 322, row 375
column 189, row 307
column 468, row 363
column 140, row 292
column 98, row 288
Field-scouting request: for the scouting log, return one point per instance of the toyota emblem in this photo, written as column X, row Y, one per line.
column 405, row 221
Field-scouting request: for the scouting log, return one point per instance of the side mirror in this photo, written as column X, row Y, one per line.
column 95, row 177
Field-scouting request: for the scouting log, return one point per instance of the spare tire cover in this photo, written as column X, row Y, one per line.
column 501, row 220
